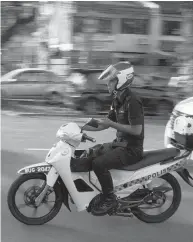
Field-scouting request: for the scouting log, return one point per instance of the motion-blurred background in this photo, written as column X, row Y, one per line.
column 53, row 52
column 51, row 56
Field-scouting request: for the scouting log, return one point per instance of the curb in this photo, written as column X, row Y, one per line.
column 33, row 114
column 78, row 118
column 12, row 113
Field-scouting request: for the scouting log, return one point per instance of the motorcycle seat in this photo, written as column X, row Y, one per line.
column 152, row 157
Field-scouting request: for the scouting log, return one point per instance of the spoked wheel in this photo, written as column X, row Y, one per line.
column 22, row 195
column 162, row 202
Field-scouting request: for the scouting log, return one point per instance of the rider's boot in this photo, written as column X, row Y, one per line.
column 106, row 205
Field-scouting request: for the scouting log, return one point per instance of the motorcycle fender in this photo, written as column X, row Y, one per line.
column 36, row 168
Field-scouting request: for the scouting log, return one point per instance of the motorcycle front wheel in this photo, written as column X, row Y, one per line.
column 26, row 212
column 152, row 209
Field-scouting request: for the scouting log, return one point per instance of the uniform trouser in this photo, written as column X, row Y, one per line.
column 105, row 159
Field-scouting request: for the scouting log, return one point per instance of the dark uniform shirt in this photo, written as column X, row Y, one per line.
column 128, row 109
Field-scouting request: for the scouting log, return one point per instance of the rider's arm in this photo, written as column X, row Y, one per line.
column 130, row 129
column 135, row 117
column 100, row 128
column 111, row 115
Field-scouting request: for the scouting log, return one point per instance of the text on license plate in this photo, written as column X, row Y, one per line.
column 37, row 169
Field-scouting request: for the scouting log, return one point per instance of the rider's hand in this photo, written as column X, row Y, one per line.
column 105, row 122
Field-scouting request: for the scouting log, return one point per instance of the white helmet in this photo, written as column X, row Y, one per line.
column 122, row 71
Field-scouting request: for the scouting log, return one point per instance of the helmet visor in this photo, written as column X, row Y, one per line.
column 108, row 74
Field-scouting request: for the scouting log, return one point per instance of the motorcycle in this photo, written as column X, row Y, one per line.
column 142, row 189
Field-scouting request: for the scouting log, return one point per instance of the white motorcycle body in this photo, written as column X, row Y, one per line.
column 57, row 164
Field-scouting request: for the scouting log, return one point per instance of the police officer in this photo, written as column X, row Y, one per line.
column 127, row 117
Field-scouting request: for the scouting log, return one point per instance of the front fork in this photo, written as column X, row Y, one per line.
column 51, row 179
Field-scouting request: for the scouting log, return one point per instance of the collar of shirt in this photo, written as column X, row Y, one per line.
column 119, row 100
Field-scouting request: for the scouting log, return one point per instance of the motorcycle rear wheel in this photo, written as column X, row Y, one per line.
column 11, row 200
column 141, row 215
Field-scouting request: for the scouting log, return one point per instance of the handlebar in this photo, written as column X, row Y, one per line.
column 86, row 137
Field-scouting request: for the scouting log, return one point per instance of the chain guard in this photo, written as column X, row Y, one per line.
column 123, row 210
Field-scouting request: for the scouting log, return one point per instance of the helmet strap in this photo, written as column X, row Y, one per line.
column 115, row 93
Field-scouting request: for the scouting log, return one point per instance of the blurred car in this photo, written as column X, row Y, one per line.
column 96, row 99
column 37, row 85
column 182, row 87
column 184, row 109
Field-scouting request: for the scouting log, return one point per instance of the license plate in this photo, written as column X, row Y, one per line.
column 38, row 169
